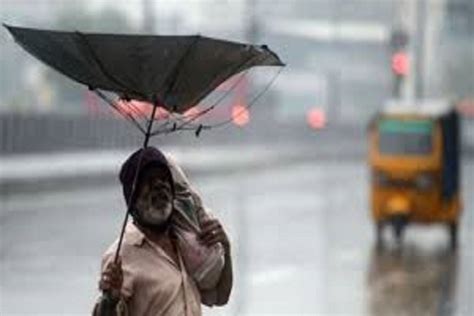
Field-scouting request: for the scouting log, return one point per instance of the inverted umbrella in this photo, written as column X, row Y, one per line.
column 170, row 72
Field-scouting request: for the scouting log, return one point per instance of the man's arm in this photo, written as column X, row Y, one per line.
column 212, row 233
column 224, row 286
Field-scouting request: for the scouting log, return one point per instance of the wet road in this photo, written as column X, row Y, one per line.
column 303, row 245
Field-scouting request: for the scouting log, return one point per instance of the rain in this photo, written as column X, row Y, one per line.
column 292, row 160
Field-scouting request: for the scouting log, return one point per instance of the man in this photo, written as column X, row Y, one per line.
column 150, row 277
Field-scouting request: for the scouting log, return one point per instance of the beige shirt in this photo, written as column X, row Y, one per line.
column 153, row 283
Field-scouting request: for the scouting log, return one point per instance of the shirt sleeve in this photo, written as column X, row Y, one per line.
column 208, row 298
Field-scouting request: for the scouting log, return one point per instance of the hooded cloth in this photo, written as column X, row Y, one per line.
column 152, row 157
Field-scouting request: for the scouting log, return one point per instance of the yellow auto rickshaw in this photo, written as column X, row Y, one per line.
column 414, row 157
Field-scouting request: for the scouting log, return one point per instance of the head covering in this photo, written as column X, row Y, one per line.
column 150, row 157
column 186, row 199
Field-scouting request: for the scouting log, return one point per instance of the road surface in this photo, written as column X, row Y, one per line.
column 302, row 241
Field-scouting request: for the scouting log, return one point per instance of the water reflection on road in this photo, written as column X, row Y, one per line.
column 412, row 281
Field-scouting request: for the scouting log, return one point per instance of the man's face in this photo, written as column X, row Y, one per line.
column 154, row 199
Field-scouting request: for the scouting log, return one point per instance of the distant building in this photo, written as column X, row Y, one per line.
column 338, row 56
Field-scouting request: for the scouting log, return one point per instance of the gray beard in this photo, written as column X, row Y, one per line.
column 158, row 226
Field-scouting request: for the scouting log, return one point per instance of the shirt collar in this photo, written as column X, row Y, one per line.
column 134, row 235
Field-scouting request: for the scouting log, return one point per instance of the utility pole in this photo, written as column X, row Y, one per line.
column 333, row 74
column 419, row 49
column 431, row 70
column 252, row 28
column 251, row 33
column 421, row 21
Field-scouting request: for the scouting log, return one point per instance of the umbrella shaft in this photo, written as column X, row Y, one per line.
column 135, row 180
column 150, row 124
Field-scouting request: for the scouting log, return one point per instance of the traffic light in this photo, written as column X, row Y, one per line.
column 316, row 118
column 400, row 63
column 400, row 66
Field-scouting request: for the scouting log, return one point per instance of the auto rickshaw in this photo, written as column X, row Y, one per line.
column 414, row 157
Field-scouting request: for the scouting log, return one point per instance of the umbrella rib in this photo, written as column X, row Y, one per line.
column 114, row 106
column 171, row 130
column 164, row 129
column 183, row 125
column 102, row 68
column 158, row 129
column 252, row 102
column 216, row 83
column 205, row 111
column 137, row 110
column 167, row 122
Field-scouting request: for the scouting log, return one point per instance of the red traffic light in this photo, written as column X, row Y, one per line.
column 316, row 118
column 400, row 63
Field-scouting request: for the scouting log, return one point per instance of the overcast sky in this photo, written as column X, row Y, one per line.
column 207, row 17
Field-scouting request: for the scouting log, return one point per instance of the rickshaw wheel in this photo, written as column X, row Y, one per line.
column 398, row 226
column 379, row 234
column 398, row 233
column 453, row 235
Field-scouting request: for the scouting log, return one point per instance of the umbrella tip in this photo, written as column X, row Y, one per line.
column 198, row 131
column 267, row 49
column 10, row 28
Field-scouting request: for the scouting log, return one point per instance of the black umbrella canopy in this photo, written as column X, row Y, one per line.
column 175, row 71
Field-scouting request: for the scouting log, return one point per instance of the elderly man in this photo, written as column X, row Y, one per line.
column 150, row 278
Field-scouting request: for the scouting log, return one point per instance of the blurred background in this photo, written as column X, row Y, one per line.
column 289, row 179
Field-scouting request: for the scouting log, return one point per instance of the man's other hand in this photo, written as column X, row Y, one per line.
column 112, row 278
column 212, row 232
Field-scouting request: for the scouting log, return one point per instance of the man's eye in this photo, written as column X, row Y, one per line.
column 157, row 186
column 142, row 194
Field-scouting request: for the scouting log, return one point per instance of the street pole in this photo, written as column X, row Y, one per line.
column 251, row 30
column 419, row 49
column 252, row 26
column 333, row 75
column 333, row 95
column 433, row 23
column 405, row 20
